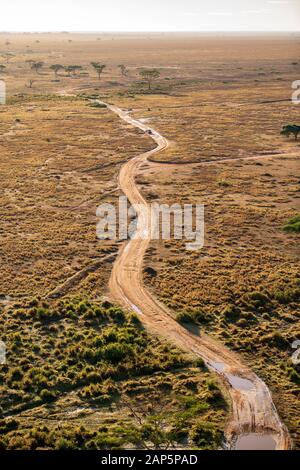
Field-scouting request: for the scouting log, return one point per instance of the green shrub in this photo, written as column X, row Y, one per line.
column 184, row 317
column 231, row 313
column 287, row 295
column 134, row 319
column 200, row 363
column 294, row 376
column 82, row 307
column 293, row 225
column 205, row 435
column 42, row 313
column 7, row 425
column 115, row 352
column 65, row 444
column 224, row 183
column 196, row 316
column 276, row 340
column 211, row 385
column 259, row 299
column 117, row 314
column 47, row 395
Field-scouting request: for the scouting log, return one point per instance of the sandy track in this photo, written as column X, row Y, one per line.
column 254, row 420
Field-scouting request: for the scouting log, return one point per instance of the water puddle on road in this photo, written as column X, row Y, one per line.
column 255, row 442
column 240, row 384
column 136, row 309
column 219, row 366
column 235, row 381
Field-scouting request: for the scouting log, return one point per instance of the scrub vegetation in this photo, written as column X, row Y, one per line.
column 80, row 372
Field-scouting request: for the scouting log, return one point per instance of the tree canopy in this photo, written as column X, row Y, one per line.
column 291, row 129
column 37, row 66
column 56, row 68
column 99, row 68
column 149, row 75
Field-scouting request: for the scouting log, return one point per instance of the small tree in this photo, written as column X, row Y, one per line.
column 99, row 68
column 56, row 68
column 123, row 70
column 149, row 75
column 7, row 56
column 72, row 69
column 30, row 83
column 291, row 129
column 37, row 66
column 153, row 425
column 68, row 70
column 2, row 68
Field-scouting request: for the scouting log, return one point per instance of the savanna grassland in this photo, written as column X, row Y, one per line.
column 80, row 372
column 87, row 376
column 59, row 161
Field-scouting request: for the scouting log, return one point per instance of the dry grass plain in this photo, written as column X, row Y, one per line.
column 59, row 161
column 217, row 99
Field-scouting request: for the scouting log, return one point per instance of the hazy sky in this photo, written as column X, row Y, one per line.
column 150, row 15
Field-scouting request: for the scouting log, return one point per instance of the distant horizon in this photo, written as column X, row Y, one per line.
column 242, row 32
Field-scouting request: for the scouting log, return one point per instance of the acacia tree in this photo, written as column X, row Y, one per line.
column 56, row 68
column 37, row 66
column 30, row 83
column 149, row 75
column 291, row 129
column 153, row 423
column 123, row 69
column 99, row 68
column 2, row 68
column 72, row 69
column 7, row 56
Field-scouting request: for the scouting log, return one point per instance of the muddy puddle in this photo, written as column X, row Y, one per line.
column 240, row 384
column 219, row 366
column 235, row 381
column 255, row 442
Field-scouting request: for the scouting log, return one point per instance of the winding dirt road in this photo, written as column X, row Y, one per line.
column 254, row 422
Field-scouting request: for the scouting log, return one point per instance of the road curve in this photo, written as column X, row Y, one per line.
column 254, row 422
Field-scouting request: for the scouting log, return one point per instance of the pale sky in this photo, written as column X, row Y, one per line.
column 150, row 15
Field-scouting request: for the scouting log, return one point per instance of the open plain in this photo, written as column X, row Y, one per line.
column 80, row 372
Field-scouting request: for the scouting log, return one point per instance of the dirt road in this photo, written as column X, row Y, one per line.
column 254, row 422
